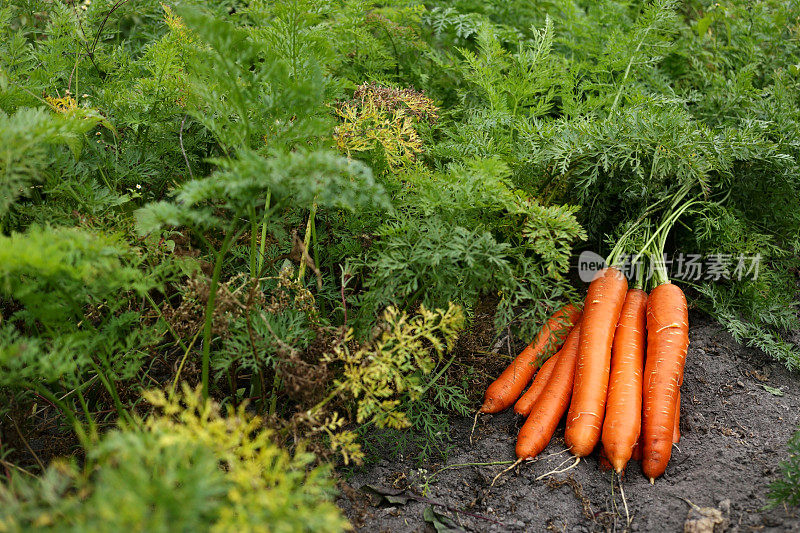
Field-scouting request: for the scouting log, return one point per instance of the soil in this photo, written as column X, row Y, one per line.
column 734, row 434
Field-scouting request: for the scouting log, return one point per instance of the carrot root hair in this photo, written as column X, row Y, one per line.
column 624, row 500
column 474, row 424
column 561, row 471
column 517, row 462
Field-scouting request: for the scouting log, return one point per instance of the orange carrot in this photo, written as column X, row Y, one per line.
column 637, row 450
column 505, row 390
column 600, row 316
column 552, row 403
column 524, row 404
column 623, row 419
column 667, row 344
column 676, row 431
column 605, row 464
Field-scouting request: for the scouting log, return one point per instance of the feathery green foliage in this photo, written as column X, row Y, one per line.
column 786, row 491
column 186, row 467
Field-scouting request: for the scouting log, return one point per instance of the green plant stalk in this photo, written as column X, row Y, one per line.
column 613, row 258
column 232, row 383
column 314, row 241
column 325, row 400
column 619, row 247
column 99, row 168
column 323, row 309
column 414, row 297
column 161, row 316
column 307, row 241
column 394, row 47
column 112, row 390
column 437, row 376
column 109, row 384
column 88, row 414
column 183, row 360
column 240, row 99
column 259, row 388
column 212, row 297
column 659, row 239
column 7, row 465
column 263, row 244
column 628, row 71
column 157, row 100
column 273, row 401
column 253, row 242
column 65, row 409
column 639, row 260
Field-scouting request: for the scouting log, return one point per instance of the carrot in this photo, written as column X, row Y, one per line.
column 637, row 450
column 505, row 390
column 600, row 316
column 623, row 419
column 605, row 464
column 524, row 404
column 676, row 431
column 552, row 403
column 667, row 344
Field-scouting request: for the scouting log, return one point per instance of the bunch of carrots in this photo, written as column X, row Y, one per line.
column 617, row 374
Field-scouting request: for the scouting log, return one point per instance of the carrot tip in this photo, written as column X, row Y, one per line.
column 618, row 464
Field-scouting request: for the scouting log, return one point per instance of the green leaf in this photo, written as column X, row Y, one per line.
column 773, row 390
column 703, row 24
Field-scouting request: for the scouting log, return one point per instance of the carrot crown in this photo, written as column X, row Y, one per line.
column 654, row 248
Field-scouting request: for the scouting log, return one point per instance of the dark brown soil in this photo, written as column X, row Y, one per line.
column 734, row 434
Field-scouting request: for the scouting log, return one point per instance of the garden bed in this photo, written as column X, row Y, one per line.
column 739, row 411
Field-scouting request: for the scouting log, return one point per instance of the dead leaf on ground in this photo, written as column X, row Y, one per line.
column 707, row 519
column 386, row 495
column 760, row 376
column 440, row 522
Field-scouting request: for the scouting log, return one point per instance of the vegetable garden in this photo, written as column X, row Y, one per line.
column 306, row 265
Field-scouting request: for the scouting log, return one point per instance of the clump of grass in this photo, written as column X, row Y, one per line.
column 786, row 490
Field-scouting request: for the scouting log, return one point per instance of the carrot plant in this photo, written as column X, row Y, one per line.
column 786, row 490
column 163, row 471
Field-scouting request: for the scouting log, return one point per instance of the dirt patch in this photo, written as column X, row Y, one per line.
column 734, row 433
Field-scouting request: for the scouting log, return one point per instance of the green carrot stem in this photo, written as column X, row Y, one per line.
column 212, row 297
column 63, row 407
column 263, row 244
column 307, row 241
column 112, row 390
